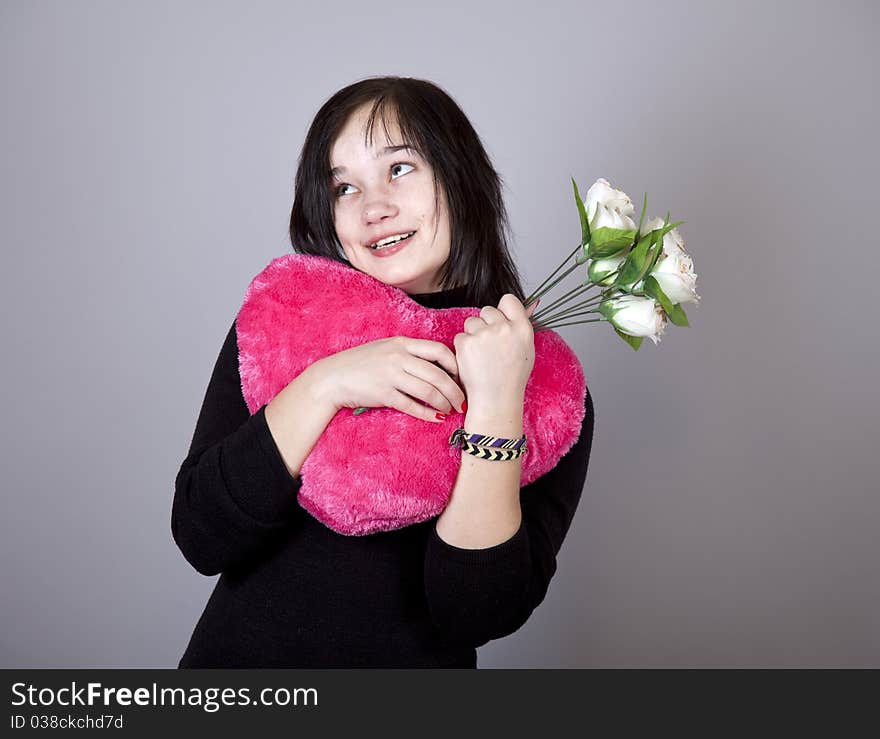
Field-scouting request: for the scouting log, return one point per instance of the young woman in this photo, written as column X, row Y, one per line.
column 392, row 181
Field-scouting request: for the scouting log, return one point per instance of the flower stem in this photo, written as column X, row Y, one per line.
column 548, row 321
column 538, row 292
column 580, row 289
column 556, row 282
column 593, row 300
column 591, row 320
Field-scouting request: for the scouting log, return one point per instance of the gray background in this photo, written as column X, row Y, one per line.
column 730, row 513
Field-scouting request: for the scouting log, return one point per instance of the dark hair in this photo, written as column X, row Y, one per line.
column 432, row 122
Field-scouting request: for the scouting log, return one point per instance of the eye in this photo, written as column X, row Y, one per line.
column 339, row 191
column 402, row 164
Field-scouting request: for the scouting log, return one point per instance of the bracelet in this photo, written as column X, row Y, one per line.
column 489, row 447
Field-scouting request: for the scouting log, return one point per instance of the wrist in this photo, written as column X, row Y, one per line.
column 502, row 417
column 505, row 404
column 320, row 385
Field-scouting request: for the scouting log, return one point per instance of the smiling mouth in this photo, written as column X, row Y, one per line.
column 391, row 241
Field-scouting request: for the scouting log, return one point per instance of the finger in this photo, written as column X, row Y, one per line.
column 433, row 351
column 414, row 385
column 440, row 366
column 437, row 378
column 514, row 310
column 450, row 386
column 532, row 308
column 473, row 324
column 492, row 315
column 404, row 403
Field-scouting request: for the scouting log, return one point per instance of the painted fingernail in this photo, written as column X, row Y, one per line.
column 464, row 406
column 440, row 416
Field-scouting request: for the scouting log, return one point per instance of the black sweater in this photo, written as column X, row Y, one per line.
column 294, row 593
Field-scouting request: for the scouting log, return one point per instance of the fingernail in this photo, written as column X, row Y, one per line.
column 464, row 406
column 440, row 416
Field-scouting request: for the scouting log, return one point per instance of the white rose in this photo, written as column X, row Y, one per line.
column 675, row 274
column 674, row 270
column 600, row 271
column 616, row 201
column 672, row 241
column 637, row 316
column 611, row 218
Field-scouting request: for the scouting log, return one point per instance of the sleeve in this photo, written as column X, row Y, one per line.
column 475, row 595
column 233, row 496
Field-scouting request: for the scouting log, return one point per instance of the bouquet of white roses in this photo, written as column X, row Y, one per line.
column 642, row 272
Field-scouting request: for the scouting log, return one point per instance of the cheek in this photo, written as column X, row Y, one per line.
column 343, row 226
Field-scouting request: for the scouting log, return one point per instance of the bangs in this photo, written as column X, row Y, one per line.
column 386, row 110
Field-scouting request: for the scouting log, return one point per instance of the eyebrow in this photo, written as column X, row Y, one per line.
column 384, row 153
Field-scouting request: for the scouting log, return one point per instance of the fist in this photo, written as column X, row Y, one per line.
column 496, row 352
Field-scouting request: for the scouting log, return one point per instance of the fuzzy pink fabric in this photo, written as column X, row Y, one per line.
column 383, row 469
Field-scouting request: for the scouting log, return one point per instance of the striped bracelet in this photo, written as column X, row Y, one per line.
column 489, row 447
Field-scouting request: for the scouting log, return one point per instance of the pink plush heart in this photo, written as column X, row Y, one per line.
column 383, row 469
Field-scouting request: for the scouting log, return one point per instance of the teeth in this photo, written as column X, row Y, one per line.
column 391, row 240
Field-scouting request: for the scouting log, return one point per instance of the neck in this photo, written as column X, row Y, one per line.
column 453, row 297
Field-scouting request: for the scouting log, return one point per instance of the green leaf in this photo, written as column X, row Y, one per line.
column 669, row 226
column 582, row 212
column 635, row 264
column 655, row 252
column 652, row 288
column 609, row 242
column 634, row 341
column 678, row 316
column 642, row 218
column 675, row 313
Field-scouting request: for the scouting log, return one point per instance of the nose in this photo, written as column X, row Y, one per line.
column 378, row 207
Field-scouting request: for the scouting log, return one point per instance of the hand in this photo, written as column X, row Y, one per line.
column 496, row 352
column 391, row 373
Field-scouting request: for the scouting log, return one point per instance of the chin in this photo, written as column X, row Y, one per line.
column 408, row 286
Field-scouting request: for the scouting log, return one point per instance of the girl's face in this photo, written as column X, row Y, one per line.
column 387, row 190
